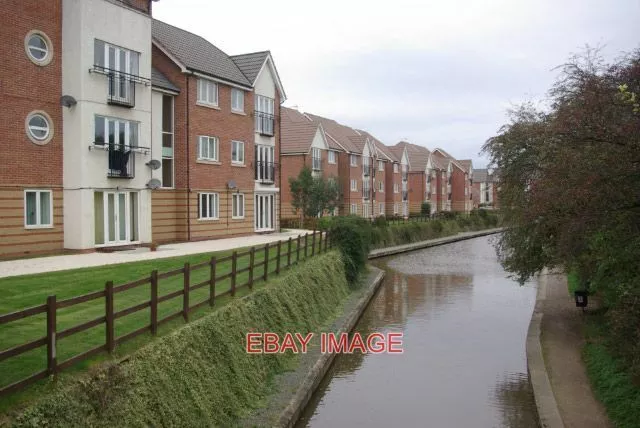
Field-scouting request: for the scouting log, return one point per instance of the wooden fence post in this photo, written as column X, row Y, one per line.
column 109, row 328
column 185, row 295
column 252, row 257
column 326, row 241
column 298, row 250
column 320, row 245
column 234, row 268
column 154, row 302
column 306, row 236
column 51, row 335
column 212, row 282
column 278, row 258
column 313, row 244
column 266, row 262
column 289, row 252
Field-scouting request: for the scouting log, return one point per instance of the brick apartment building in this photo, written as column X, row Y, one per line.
column 458, row 181
column 125, row 152
column 484, row 188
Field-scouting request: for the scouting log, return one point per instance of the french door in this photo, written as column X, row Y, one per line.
column 116, row 217
column 264, row 212
column 265, row 163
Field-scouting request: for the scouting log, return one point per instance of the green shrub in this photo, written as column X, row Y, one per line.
column 425, row 208
column 201, row 374
column 380, row 221
column 324, row 223
column 352, row 235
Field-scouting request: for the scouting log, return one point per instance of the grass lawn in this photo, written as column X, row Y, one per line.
column 572, row 282
column 30, row 290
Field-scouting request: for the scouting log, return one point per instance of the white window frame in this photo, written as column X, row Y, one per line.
column 240, row 150
column 380, row 166
column 216, row 148
column 216, row 206
column 165, row 153
column 395, row 168
column 48, row 50
column 331, row 157
column 237, row 100
column 264, row 105
column 236, row 205
column 381, row 186
column 381, row 208
column 396, row 188
column 316, row 159
column 354, row 209
column 48, row 130
column 353, row 160
column 365, row 210
column 38, row 224
column 206, row 96
column 354, row 185
column 395, row 208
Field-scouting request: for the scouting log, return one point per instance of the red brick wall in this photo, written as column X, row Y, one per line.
column 458, row 184
column 25, row 87
column 416, row 185
column 290, row 167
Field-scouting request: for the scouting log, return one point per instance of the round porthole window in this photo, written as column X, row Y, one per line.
column 39, row 127
column 38, row 47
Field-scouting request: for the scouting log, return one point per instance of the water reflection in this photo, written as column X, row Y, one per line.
column 464, row 326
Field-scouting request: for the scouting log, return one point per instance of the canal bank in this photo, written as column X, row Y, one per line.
column 555, row 341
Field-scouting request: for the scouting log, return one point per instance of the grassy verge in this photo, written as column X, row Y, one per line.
column 30, row 290
column 572, row 282
column 200, row 375
column 612, row 384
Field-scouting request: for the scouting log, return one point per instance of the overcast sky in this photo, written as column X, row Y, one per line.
column 437, row 73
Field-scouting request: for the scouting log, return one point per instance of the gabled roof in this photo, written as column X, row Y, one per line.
column 297, row 132
column 442, row 155
column 480, row 175
column 161, row 81
column 341, row 134
column 382, row 150
column 251, row 64
column 194, row 53
column 418, row 156
column 467, row 164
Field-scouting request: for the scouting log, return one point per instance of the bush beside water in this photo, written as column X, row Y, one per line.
column 200, row 375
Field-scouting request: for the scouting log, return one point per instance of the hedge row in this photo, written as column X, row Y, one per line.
column 201, row 375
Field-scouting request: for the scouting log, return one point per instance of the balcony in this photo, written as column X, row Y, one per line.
column 265, row 172
column 405, row 175
column 121, row 86
column 366, row 194
column 264, row 123
column 405, row 195
column 121, row 158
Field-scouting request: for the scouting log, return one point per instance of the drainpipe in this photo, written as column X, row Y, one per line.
column 188, row 166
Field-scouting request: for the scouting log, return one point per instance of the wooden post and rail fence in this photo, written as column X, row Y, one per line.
column 215, row 277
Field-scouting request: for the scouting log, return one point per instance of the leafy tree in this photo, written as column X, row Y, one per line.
column 425, row 208
column 312, row 196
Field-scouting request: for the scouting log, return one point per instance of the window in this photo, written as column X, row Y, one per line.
column 395, row 208
column 208, row 206
column 396, row 188
column 354, row 185
column 264, row 115
column 120, row 136
column 111, row 57
column 237, row 204
column 316, row 159
column 395, row 168
column 237, row 100
column 38, row 127
column 37, row 209
column 354, row 209
column 353, row 160
column 38, row 47
column 381, row 186
column 167, row 141
column 207, row 148
column 331, row 156
column 380, row 166
column 381, row 212
column 237, row 152
column 365, row 210
column 207, row 92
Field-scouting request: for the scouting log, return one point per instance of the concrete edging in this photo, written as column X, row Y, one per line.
column 383, row 252
column 548, row 412
column 292, row 412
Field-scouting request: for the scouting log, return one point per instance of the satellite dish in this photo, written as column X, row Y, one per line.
column 231, row 184
column 154, row 164
column 68, row 101
column 154, row 183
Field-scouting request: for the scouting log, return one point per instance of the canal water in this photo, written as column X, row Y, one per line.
column 464, row 365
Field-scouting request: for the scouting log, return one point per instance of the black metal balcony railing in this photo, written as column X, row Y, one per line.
column 366, row 170
column 121, row 86
column 264, row 123
column 316, row 164
column 405, row 195
column 449, row 196
column 121, row 161
column 366, row 194
column 265, row 172
column 405, row 176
